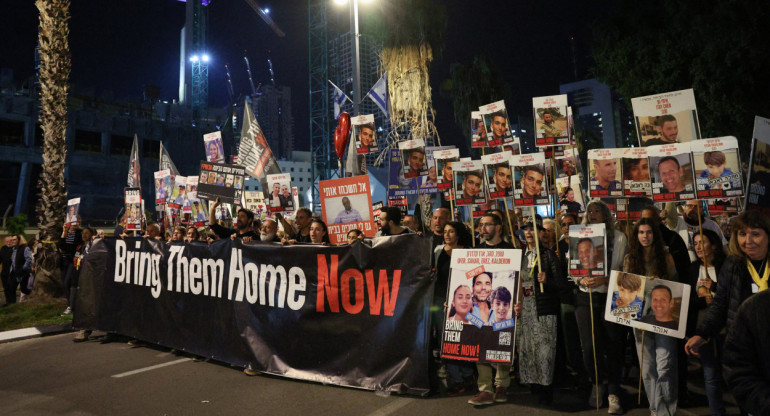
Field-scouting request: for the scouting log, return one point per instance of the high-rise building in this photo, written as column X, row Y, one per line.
column 600, row 113
column 272, row 107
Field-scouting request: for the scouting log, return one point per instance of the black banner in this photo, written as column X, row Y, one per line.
column 349, row 315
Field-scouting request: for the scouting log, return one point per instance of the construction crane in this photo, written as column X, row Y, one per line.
column 248, row 70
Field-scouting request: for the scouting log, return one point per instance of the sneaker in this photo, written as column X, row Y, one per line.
column 81, row 336
column 249, row 371
column 67, row 312
column 483, row 397
column 501, row 396
column 592, row 397
column 614, row 405
column 455, row 390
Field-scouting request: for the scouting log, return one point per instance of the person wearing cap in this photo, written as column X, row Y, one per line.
column 538, row 310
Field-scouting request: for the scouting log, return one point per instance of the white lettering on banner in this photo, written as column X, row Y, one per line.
column 146, row 267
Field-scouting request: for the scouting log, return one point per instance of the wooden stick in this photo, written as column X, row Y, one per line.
column 537, row 246
column 593, row 346
column 510, row 226
column 470, row 221
column 641, row 363
column 451, row 203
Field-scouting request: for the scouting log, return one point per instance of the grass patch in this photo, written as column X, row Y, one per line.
column 29, row 314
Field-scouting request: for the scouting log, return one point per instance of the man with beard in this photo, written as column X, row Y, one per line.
column 242, row 224
column 491, row 232
column 668, row 131
column 269, row 231
column 390, row 223
column 549, row 129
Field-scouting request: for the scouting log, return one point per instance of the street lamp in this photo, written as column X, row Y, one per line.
column 356, row 52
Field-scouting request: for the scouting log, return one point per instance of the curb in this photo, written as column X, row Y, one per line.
column 34, row 332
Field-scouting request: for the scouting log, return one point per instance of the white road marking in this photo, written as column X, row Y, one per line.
column 150, row 368
column 391, row 407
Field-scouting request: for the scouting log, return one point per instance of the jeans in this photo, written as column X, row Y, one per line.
column 658, row 356
column 609, row 341
column 712, row 376
column 458, row 371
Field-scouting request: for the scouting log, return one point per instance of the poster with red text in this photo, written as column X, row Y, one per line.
column 498, row 175
column 551, row 123
column 529, row 185
column 603, row 173
column 588, row 250
column 671, row 172
column 666, row 118
column 346, row 204
column 636, row 172
column 497, row 124
column 717, row 165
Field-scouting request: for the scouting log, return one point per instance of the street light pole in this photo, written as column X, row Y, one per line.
column 356, row 57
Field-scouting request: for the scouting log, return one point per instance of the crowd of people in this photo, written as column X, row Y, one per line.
column 562, row 332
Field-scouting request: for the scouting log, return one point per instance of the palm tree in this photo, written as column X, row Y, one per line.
column 55, row 65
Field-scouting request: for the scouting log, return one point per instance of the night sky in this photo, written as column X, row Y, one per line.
column 119, row 46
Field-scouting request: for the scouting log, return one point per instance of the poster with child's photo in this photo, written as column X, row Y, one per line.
column 497, row 124
column 279, row 198
column 479, row 325
column 444, row 160
column 671, row 172
column 214, row 149
column 717, row 168
column 664, row 304
column 551, row 124
column 588, row 250
column 364, row 134
column 498, row 175
column 413, row 158
column 73, row 207
column 666, row 118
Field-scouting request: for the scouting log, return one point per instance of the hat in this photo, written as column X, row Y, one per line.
column 538, row 220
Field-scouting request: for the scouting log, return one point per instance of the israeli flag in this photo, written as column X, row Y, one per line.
column 379, row 94
column 339, row 100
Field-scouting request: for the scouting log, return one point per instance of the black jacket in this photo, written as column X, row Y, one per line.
column 548, row 302
column 733, row 287
column 697, row 303
column 745, row 359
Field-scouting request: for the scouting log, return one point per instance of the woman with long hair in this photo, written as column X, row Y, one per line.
column 703, row 282
column 607, row 337
column 456, row 235
column 647, row 256
column 319, row 233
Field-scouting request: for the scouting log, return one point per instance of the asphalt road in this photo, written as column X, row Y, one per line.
column 54, row 376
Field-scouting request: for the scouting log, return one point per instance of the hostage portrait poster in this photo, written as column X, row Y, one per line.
column 479, row 324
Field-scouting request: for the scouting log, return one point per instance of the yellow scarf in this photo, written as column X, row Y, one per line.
column 760, row 281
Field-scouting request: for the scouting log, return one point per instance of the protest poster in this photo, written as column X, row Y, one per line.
column 444, row 159
column 498, row 175
column 133, row 208
column 221, row 182
column 603, row 174
column 529, row 180
column 514, row 147
column 570, row 191
column 364, row 134
column 551, row 125
column 469, row 182
column 666, row 118
column 279, row 198
column 480, row 322
column 376, row 211
column 73, row 207
column 588, row 250
column 429, row 184
column 178, row 192
column 311, row 312
column 478, row 131
column 198, row 215
column 215, row 152
column 162, row 188
column 636, row 172
column 478, row 211
column 295, row 196
column 346, row 204
column 400, row 202
column 566, row 164
column 649, row 304
column 254, row 201
column 717, row 166
column 496, row 123
column 723, row 205
column 571, row 126
column 630, row 208
column 671, row 172
column 398, row 185
column 759, row 168
column 413, row 158
column 191, row 184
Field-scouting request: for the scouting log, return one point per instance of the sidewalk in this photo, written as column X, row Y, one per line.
column 34, row 332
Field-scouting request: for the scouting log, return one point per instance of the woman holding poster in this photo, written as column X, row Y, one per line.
column 537, row 319
column 608, row 337
column 647, row 256
column 460, row 373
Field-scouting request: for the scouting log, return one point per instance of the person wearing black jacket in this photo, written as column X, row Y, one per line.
column 746, row 362
column 8, row 287
column 537, row 310
column 242, row 224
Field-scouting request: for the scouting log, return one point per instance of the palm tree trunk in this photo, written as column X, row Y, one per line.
column 55, row 65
